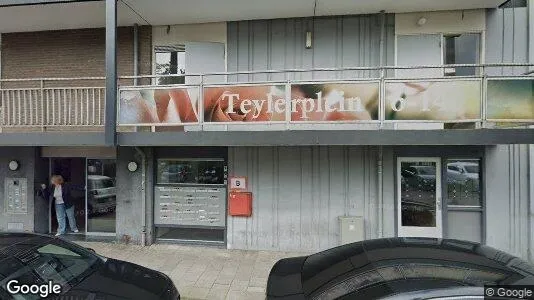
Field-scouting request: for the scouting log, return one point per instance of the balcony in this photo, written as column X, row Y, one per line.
column 52, row 104
column 369, row 105
column 369, row 98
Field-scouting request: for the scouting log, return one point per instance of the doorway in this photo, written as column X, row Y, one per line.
column 73, row 172
column 93, row 193
column 419, row 197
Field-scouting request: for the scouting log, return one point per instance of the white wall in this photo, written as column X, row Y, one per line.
column 441, row 22
column 181, row 34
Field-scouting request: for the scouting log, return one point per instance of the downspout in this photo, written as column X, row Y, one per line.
column 135, row 53
column 380, row 157
column 143, row 194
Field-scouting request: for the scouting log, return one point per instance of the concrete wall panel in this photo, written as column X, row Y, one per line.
column 299, row 193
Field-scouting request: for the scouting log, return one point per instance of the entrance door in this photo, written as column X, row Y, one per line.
column 73, row 171
column 419, row 197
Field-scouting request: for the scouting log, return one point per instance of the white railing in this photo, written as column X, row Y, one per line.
column 65, row 104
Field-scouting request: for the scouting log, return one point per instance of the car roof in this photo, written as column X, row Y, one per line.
column 12, row 243
column 367, row 254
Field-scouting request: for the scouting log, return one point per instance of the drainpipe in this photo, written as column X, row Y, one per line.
column 380, row 195
column 380, row 158
column 136, row 53
column 143, row 194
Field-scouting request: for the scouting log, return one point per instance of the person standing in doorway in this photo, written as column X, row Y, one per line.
column 60, row 193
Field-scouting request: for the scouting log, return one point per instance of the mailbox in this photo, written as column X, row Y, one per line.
column 240, row 204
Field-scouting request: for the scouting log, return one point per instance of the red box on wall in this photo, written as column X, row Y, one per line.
column 240, row 204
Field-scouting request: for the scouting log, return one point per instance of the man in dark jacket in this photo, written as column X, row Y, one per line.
column 61, row 194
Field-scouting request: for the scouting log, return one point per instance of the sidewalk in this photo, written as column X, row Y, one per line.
column 202, row 272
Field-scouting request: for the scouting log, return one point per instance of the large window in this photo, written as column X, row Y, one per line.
column 170, row 60
column 461, row 49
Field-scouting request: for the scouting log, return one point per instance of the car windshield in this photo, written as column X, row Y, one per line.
column 55, row 261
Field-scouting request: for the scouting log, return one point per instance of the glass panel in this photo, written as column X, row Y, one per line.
column 418, row 194
column 101, row 195
column 461, row 49
column 170, row 60
column 463, row 182
column 191, row 171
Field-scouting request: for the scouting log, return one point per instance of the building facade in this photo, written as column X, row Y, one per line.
column 347, row 122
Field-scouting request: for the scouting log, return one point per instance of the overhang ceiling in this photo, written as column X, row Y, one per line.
column 166, row 12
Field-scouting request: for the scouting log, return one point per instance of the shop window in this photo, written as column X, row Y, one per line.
column 463, row 183
column 170, row 60
column 190, row 172
column 461, row 49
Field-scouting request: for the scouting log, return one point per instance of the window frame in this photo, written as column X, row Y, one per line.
column 480, row 51
column 168, row 49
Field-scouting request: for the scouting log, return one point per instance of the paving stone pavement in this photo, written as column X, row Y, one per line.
column 202, row 272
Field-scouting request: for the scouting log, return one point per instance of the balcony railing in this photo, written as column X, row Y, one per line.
column 330, row 98
column 419, row 97
column 52, row 103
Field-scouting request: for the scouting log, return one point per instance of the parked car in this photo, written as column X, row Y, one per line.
column 397, row 268
column 34, row 259
column 101, row 194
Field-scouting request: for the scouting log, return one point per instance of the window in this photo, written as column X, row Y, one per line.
column 461, row 49
column 463, row 182
column 191, row 171
column 170, row 60
column 514, row 4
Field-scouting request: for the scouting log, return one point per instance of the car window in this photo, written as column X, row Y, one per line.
column 56, row 261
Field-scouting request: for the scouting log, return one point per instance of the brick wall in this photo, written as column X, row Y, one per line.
column 70, row 53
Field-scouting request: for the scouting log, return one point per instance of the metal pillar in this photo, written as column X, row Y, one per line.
column 111, row 73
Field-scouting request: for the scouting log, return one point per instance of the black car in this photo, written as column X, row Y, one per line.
column 397, row 268
column 29, row 260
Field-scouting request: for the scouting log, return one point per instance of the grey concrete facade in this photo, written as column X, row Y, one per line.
column 131, row 192
column 508, row 181
column 26, row 156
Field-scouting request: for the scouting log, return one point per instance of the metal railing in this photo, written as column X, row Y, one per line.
column 52, row 102
column 80, row 102
column 382, row 75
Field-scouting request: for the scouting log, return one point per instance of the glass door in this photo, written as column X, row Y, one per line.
column 419, row 197
column 71, row 169
column 101, row 197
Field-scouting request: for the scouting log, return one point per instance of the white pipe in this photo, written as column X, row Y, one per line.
column 380, row 184
column 143, row 194
column 380, row 163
